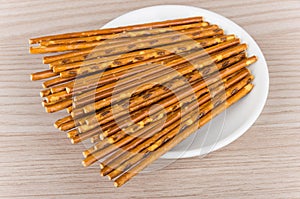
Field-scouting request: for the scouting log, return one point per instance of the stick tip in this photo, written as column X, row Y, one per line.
column 48, row 110
column 116, row 184
column 42, row 94
column 69, row 135
column 101, row 136
column 44, row 104
column 84, row 163
column 251, row 60
column 101, row 165
column 32, row 50
column 56, row 125
column 230, row 37
column 101, row 173
column 85, row 153
column 249, row 87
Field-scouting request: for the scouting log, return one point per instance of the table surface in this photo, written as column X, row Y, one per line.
column 38, row 161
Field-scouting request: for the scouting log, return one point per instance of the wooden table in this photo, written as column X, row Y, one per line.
column 37, row 161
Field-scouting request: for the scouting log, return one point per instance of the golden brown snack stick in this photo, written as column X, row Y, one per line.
column 118, row 29
column 61, row 121
column 56, row 81
column 43, row 75
column 108, row 46
column 45, row 92
column 61, row 87
column 127, row 34
column 69, row 109
column 58, row 106
column 67, row 125
column 78, row 137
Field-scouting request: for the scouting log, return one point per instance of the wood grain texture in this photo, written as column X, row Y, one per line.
column 37, row 161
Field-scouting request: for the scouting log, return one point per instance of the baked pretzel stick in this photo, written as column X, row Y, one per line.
column 43, row 75
column 45, row 92
column 81, row 55
column 69, row 109
column 129, row 34
column 135, row 43
column 45, row 103
column 221, row 55
column 79, row 137
column 68, row 125
column 58, row 106
column 89, row 46
column 61, row 48
column 180, row 137
column 118, row 29
column 170, row 119
column 98, row 146
column 56, row 81
column 61, row 87
column 61, row 121
column 57, row 97
column 87, row 66
column 74, row 133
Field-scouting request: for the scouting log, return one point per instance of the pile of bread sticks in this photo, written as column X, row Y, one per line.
column 137, row 91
